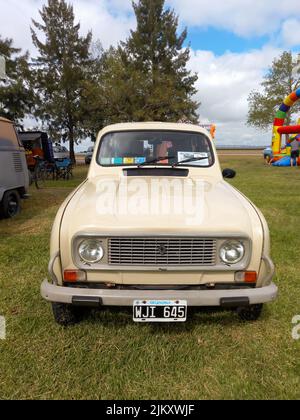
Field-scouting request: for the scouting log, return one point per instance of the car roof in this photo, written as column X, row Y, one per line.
column 5, row 120
column 155, row 126
column 30, row 135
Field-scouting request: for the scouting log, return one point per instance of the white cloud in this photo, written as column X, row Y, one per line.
column 290, row 32
column 223, row 87
column 243, row 17
column 110, row 20
column 15, row 20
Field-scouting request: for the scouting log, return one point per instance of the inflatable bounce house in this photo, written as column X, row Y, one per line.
column 281, row 156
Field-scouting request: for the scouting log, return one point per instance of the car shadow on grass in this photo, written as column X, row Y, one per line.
column 120, row 317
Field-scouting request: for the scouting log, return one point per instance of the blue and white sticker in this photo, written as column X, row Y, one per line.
column 139, row 160
column 190, row 155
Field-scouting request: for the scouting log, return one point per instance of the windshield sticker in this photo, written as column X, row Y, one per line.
column 128, row 161
column 105, row 161
column 117, row 161
column 190, row 155
column 139, row 160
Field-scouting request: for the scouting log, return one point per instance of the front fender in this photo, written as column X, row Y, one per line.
column 55, row 270
column 267, row 268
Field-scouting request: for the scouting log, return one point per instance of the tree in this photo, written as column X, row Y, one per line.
column 60, row 71
column 16, row 96
column 149, row 79
column 117, row 97
column 93, row 101
column 279, row 82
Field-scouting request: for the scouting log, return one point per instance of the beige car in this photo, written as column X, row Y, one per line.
column 155, row 227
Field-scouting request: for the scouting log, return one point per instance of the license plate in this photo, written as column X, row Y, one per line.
column 159, row 310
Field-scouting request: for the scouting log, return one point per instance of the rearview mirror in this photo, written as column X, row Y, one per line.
column 229, row 173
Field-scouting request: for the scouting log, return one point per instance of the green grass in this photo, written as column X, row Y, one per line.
column 109, row 357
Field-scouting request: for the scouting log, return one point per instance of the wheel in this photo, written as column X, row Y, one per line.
column 250, row 313
column 39, row 176
column 11, row 204
column 67, row 315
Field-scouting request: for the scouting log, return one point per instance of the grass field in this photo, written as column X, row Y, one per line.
column 212, row 356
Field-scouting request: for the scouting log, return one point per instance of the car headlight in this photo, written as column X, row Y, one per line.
column 91, row 251
column 232, row 252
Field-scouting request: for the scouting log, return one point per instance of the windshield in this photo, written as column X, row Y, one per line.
column 131, row 148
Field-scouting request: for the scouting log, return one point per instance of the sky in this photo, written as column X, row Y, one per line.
column 232, row 42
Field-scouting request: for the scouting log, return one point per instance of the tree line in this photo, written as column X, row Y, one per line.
column 74, row 88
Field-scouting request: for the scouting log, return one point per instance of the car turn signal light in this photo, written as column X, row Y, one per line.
column 246, row 276
column 74, row 276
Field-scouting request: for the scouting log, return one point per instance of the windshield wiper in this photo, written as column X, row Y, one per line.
column 194, row 159
column 159, row 159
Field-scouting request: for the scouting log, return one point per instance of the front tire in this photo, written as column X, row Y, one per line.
column 250, row 313
column 11, row 204
column 66, row 315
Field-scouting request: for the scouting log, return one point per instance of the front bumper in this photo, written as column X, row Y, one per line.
column 85, row 297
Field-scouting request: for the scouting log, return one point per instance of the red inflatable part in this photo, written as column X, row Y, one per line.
column 278, row 122
column 291, row 129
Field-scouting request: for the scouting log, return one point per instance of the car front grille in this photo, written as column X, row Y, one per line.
column 162, row 251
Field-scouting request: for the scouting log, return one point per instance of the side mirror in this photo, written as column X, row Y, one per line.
column 229, row 173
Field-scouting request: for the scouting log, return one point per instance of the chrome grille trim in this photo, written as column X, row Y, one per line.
column 162, row 251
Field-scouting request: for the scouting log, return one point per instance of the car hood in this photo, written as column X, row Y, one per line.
column 211, row 208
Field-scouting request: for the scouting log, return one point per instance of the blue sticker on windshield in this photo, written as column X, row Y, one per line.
column 140, row 160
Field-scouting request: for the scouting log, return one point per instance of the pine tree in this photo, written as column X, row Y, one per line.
column 93, row 102
column 16, row 96
column 60, row 71
column 121, row 90
column 279, row 82
column 154, row 82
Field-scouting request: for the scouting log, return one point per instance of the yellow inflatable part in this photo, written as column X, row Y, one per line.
column 288, row 150
column 276, row 141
